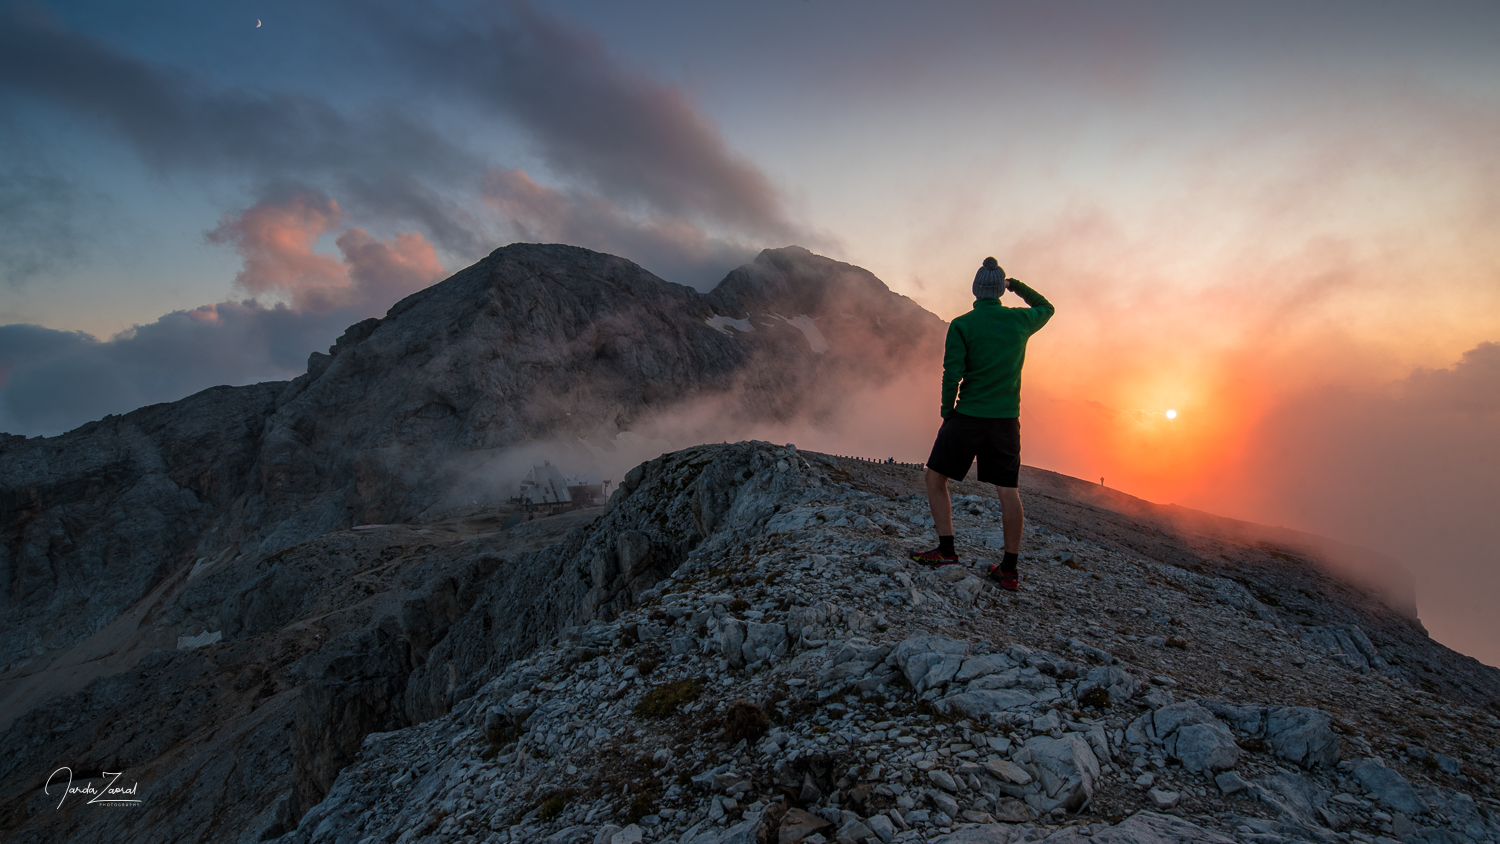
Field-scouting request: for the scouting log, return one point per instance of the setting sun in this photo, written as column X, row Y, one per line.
column 1171, row 414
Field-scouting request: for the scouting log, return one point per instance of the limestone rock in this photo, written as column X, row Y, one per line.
column 798, row 824
column 1146, row 828
column 984, row 703
column 1008, row 771
column 1067, row 768
column 980, row 666
column 882, row 827
column 1162, row 799
column 1118, row 682
column 1297, row 734
column 1192, row 735
column 1388, row 787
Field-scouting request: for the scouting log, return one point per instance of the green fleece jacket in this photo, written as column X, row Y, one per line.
column 984, row 353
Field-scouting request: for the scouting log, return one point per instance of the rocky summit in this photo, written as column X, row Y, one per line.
column 292, row 612
column 736, row 649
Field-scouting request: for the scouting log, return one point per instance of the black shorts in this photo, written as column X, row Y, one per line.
column 995, row 442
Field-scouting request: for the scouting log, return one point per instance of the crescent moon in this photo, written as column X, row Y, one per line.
column 257, row 23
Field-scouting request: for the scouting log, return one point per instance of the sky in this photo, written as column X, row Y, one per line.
column 1280, row 220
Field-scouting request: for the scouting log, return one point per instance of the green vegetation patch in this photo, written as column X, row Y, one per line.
column 745, row 721
column 1095, row 698
column 664, row 700
column 551, row 807
column 640, row 807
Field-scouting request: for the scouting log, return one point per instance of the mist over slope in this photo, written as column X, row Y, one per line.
column 553, row 347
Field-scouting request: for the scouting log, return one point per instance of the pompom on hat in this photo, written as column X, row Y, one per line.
column 989, row 282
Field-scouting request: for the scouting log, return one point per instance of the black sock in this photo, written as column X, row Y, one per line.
column 945, row 546
column 1008, row 563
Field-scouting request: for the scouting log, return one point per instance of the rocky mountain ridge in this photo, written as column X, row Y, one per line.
column 535, row 342
column 795, row 679
column 734, row 650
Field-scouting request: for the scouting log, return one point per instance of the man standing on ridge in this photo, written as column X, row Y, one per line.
column 981, row 412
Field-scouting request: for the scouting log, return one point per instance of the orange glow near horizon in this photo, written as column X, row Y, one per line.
column 1165, row 436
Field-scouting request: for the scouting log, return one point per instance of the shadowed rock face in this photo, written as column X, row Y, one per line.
column 533, row 342
column 91, row 521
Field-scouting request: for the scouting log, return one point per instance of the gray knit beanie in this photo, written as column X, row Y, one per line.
column 989, row 282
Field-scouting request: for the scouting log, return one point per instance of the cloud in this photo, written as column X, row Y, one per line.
column 52, row 381
column 277, row 241
column 1471, row 388
column 652, row 178
column 37, row 222
column 614, row 130
column 669, row 246
column 176, row 122
column 1412, row 470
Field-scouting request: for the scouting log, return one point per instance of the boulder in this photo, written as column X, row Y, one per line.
column 798, row 824
column 801, row 621
column 1165, row 721
column 883, row 828
column 1011, row 810
column 1302, row 735
column 1231, row 783
column 1163, row 799
column 1297, row 734
column 943, row 803
column 741, row 833
column 1388, row 787
column 980, row 666
column 977, row 704
column 854, row 831
column 764, row 642
column 1067, row 768
column 931, row 670
column 942, row 779
column 1007, row 771
column 732, row 642
column 1203, row 747
column 1120, row 684
column 917, row 655
column 1192, row 735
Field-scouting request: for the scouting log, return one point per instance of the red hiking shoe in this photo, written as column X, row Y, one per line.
column 1009, row 581
column 935, row 558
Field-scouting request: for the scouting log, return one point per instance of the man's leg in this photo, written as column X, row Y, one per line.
column 1012, row 516
column 940, row 502
column 942, row 519
column 949, row 453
